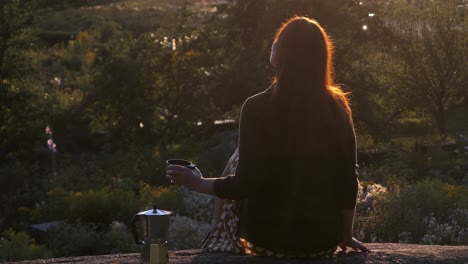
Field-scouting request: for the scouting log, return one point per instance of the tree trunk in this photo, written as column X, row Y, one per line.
column 441, row 121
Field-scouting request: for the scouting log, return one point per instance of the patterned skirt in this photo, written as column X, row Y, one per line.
column 224, row 235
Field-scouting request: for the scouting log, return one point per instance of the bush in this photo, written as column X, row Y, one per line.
column 413, row 126
column 20, row 246
column 197, row 206
column 165, row 198
column 186, row 233
column 452, row 232
column 368, row 198
column 80, row 239
column 404, row 165
column 118, row 239
column 75, row 240
column 101, row 206
column 428, row 211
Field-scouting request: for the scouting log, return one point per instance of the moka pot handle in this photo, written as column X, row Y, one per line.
column 133, row 228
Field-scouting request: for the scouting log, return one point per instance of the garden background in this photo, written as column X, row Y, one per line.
column 96, row 94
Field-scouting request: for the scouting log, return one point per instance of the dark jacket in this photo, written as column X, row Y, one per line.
column 289, row 202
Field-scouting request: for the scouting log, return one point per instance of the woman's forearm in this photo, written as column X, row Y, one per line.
column 205, row 186
column 347, row 222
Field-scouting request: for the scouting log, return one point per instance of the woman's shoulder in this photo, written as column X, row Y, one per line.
column 259, row 100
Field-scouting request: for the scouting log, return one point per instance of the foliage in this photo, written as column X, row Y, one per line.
column 75, row 240
column 165, row 198
column 18, row 191
column 454, row 231
column 102, row 206
column 407, row 162
column 368, row 198
column 186, row 233
column 87, row 239
column 19, row 246
column 428, row 211
column 428, row 38
column 126, row 85
column 17, row 39
column 142, row 91
column 196, row 206
column 118, row 239
column 216, row 151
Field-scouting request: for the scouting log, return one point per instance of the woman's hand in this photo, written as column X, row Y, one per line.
column 184, row 176
column 354, row 244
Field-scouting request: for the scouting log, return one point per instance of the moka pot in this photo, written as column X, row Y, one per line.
column 154, row 228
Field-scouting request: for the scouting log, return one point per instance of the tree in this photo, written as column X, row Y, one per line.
column 16, row 38
column 151, row 91
column 429, row 48
column 18, row 110
column 24, row 106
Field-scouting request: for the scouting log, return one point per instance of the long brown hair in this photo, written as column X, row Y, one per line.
column 308, row 103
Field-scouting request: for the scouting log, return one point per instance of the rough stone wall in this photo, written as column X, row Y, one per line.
column 381, row 253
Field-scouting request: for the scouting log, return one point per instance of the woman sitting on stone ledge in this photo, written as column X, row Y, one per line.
column 290, row 188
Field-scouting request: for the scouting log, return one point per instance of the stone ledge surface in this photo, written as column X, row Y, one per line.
column 381, row 253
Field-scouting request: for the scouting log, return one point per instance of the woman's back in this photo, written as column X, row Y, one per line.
column 293, row 199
